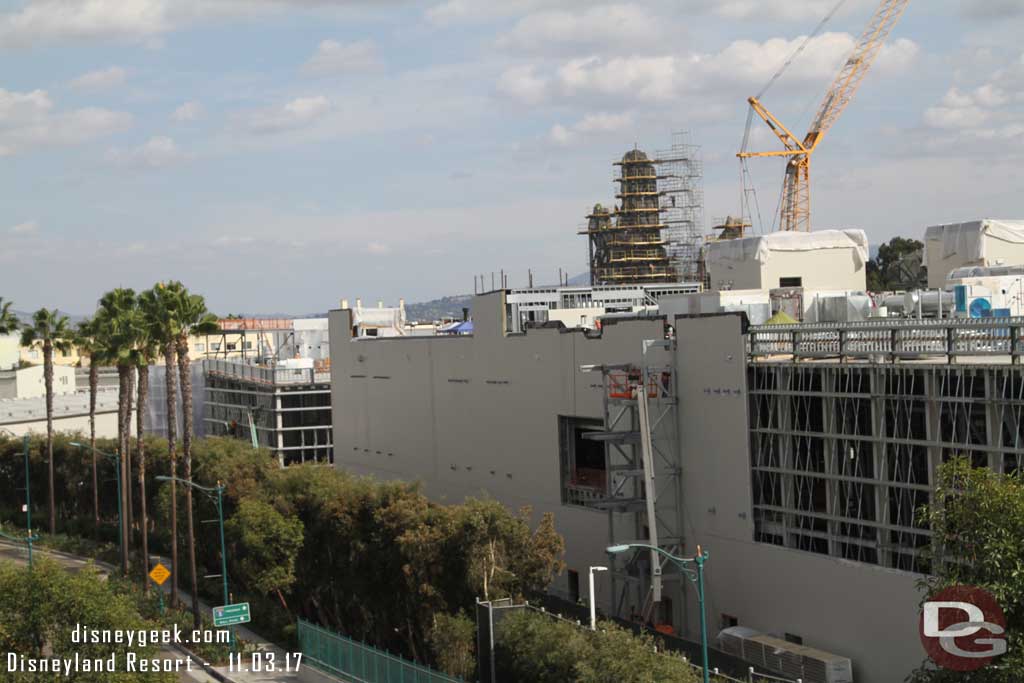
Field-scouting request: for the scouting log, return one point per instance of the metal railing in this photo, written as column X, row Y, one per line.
column 335, row 654
column 891, row 340
column 266, row 375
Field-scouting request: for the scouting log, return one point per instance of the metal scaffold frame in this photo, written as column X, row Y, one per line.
column 681, row 194
column 644, row 476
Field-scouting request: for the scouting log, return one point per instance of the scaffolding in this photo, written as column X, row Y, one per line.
column 654, row 234
column 681, row 194
column 642, row 486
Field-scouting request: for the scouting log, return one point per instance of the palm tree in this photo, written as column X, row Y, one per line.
column 160, row 305
column 88, row 343
column 193, row 318
column 8, row 321
column 145, row 352
column 118, row 320
column 53, row 331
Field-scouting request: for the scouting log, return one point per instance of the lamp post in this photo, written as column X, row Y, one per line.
column 217, row 490
column 29, row 538
column 593, row 604
column 696, row 577
column 121, row 531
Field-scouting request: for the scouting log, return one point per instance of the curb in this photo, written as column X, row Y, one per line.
column 208, row 668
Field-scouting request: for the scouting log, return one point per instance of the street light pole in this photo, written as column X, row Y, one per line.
column 695, row 577
column 218, row 490
column 29, row 538
column 593, row 604
column 121, row 531
column 28, row 501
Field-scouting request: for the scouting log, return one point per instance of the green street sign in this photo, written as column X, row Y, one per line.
column 229, row 615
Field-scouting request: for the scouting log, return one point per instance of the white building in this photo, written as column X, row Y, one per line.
column 70, row 414
column 826, row 260
column 10, row 351
column 30, row 382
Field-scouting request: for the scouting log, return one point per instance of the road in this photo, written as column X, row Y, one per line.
column 16, row 553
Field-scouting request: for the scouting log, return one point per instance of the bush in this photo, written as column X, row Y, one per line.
column 453, row 644
column 538, row 648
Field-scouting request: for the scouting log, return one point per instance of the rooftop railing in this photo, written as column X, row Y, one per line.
column 891, row 340
column 272, row 376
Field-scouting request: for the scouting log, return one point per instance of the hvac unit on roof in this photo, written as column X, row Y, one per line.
column 791, row 660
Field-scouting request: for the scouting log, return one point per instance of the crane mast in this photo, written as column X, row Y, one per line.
column 795, row 212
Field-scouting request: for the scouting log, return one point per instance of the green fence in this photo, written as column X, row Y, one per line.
column 359, row 662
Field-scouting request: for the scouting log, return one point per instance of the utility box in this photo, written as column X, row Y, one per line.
column 981, row 243
column 826, row 260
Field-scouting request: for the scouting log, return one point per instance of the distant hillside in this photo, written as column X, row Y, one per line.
column 451, row 306
column 445, row 307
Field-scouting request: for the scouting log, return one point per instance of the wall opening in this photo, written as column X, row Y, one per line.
column 584, row 465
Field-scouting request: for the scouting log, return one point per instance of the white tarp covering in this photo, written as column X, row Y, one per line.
column 760, row 248
column 968, row 240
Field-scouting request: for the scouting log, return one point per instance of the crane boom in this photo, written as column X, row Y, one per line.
column 846, row 84
column 795, row 213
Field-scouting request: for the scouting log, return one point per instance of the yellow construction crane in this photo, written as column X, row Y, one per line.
column 795, row 214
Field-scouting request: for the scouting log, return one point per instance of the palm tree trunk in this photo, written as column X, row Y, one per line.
column 48, row 380
column 186, row 446
column 140, row 409
column 94, row 382
column 129, row 512
column 172, row 435
column 122, row 419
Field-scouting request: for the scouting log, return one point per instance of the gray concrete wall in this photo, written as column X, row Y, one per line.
column 471, row 416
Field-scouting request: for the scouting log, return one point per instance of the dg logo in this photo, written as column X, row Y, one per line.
column 963, row 628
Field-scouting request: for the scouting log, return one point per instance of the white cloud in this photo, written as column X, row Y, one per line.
column 189, row 111
column 332, row 57
column 776, row 10
column 28, row 120
column 132, row 20
column 596, row 123
column 523, row 83
column 599, row 26
column 26, row 228
column 378, row 249
column 100, row 79
column 157, row 152
column 668, row 77
column 294, row 114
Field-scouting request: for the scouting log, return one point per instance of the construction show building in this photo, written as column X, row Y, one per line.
column 797, row 455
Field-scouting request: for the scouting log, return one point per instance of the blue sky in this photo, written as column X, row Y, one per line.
column 279, row 155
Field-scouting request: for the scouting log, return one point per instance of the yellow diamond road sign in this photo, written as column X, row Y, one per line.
column 160, row 574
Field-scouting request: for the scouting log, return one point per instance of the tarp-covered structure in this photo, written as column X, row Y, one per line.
column 830, row 260
column 987, row 242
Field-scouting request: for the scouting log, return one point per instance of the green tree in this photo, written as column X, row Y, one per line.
column 8, row 321
column 267, row 543
column 88, row 343
column 898, row 266
column 977, row 524
column 159, row 307
column 40, row 609
column 145, row 351
column 52, row 331
column 118, row 322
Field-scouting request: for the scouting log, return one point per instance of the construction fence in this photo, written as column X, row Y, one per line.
column 358, row 662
